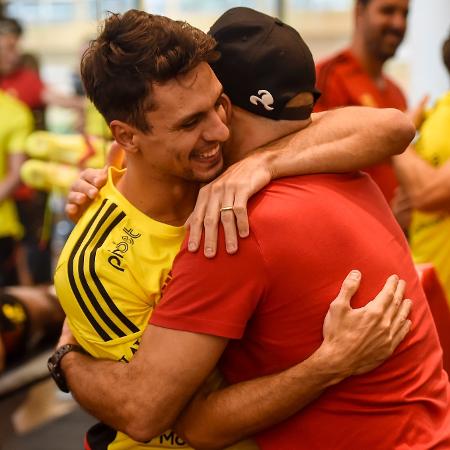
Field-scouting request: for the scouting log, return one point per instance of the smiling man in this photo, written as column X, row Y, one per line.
column 151, row 79
column 355, row 75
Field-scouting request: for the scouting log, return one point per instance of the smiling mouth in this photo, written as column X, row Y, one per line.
column 208, row 155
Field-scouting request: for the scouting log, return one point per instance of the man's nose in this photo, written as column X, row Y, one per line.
column 215, row 128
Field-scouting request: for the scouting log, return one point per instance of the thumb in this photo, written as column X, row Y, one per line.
column 349, row 287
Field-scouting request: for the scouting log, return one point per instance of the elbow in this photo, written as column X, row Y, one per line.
column 400, row 128
column 142, row 425
column 142, row 431
column 202, row 437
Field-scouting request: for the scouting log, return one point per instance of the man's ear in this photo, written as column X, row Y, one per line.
column 124, row 135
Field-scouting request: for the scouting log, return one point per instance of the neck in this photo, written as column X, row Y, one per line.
column 168, row 200
column 371, row 64
column 249, row 132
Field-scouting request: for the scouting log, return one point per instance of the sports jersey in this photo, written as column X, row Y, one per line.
column 108, row 279
column 429, row 232
column 16, row 124
column 25, row 85
column 343, row 82
column 271, row 299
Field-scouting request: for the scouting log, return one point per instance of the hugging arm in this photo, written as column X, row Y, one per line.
column 355, row 341
column 170, row 366
column 340, row 140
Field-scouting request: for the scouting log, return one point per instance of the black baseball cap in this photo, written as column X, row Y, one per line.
column 264, row 63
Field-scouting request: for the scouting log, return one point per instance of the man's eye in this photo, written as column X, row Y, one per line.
column 191, row 124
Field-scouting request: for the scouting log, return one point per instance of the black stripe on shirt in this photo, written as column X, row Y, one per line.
column 108, row 300
column 103, row 334
column 91, row 296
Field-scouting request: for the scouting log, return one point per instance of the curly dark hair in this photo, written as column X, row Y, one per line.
column 133, row 51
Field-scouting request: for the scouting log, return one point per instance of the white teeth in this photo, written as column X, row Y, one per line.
column 212, row 152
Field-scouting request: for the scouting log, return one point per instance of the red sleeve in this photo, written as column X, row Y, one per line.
column 213, row 296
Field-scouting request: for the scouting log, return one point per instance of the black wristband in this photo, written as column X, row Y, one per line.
column 54, row 364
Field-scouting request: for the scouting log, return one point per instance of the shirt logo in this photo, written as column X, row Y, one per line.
column 127, row 241
column 265, row 99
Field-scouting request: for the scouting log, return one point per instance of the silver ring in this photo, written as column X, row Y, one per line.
column 226, row 208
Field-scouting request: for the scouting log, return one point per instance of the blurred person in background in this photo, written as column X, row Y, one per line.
column 29, row 315
column 19, row 74
column 19, row 77
column 355, row 75
column 424, row 173
column 16, row 124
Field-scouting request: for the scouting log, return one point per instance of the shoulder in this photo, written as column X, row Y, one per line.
column 336, row 64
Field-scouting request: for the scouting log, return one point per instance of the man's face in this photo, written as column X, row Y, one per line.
column 188, row 127
column 9, row 53
column 383, row 25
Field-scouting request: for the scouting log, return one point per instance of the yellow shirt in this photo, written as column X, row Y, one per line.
column 16, row 124
column 109, row 278
column 430, row 232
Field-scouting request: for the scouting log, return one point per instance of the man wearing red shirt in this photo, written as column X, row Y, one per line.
column 266, row 302
column 355, row 75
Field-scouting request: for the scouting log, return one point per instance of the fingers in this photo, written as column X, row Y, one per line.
column 400, row 318
column 349, row 287
column 211, row 224
column 195, row 220
column 397, row 299
column 386, row 296
column 83, row 187
column 228, row 222
column 240, row 213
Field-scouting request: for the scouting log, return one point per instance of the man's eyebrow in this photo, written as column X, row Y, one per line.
column 194, row 115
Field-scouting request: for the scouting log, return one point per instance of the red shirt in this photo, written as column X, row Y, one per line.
column 25, row 85
column 343, row 82
column 271, row 298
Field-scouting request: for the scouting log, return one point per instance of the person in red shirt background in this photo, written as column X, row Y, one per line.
column 355, row 75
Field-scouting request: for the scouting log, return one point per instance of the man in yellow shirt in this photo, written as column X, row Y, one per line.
column 16, row 124
column 117, row 260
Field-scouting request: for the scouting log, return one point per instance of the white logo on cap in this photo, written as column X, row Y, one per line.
column 265, row 99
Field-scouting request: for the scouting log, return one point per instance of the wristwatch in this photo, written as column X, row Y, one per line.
column 54, row 364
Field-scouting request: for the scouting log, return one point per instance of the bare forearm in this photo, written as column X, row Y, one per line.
column 342, row 140
column 144, row 397
column 112, row 393
column 220, row 418
column 90, row 382
column 428, row 188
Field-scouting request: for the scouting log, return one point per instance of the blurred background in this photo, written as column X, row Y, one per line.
column 56, row 30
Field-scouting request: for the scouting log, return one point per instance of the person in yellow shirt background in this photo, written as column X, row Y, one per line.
column 425, row 178
column 16, row 124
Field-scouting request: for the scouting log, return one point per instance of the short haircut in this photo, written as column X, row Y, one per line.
column 10, row 26
column 446, row 53
column 363, row 2
column 133, row 51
